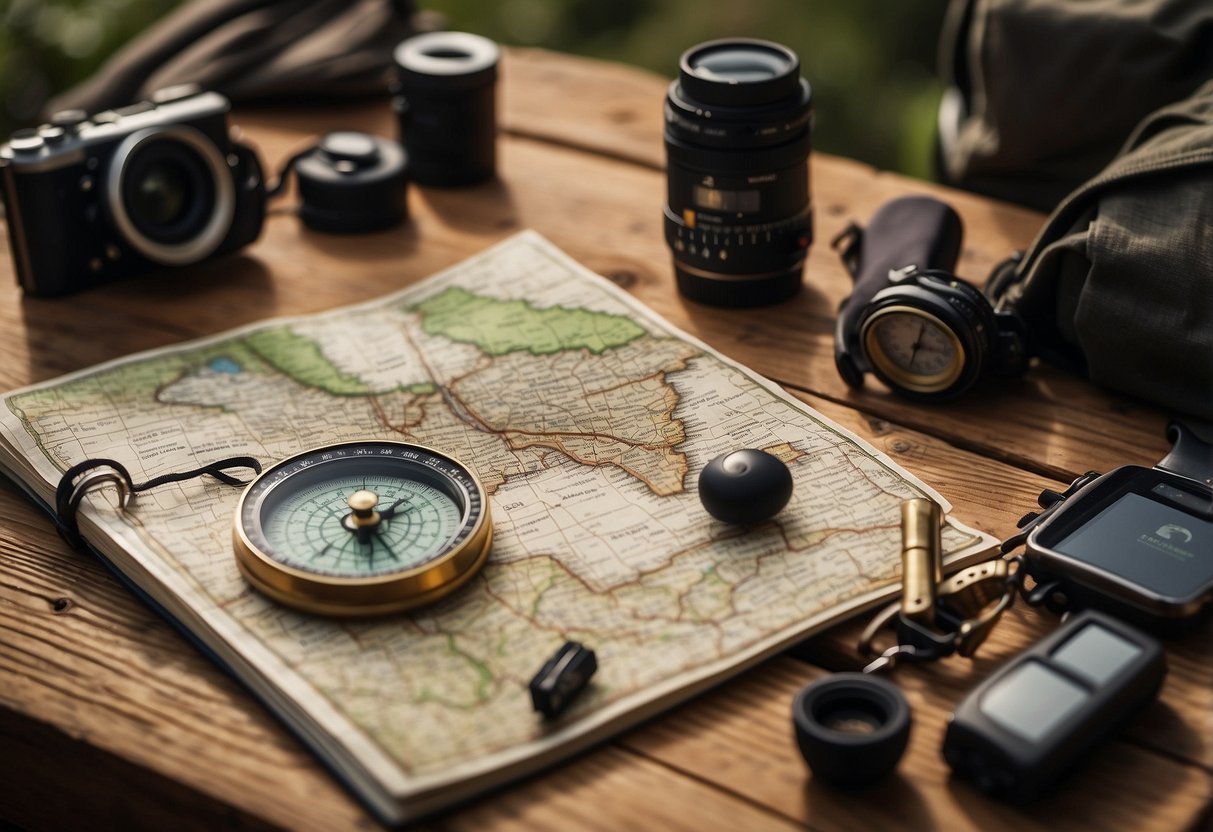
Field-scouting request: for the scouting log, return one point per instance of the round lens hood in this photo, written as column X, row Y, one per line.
column 852, row 728
column 190, row 165
column 446, row 61
column 737, row 72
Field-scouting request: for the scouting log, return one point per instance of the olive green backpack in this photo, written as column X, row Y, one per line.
column 1119, row 282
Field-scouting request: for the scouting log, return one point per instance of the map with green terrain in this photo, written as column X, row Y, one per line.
column 586, row 417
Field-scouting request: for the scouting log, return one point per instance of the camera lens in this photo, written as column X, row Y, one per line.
column 852, row 728
column 171, row 194
column 167, row 191
column 446, row 107
column 161, row 196
column 738, row 216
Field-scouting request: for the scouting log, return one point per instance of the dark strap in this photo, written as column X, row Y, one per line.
column 80, row 478
column 1191, row 453
column 300, row 51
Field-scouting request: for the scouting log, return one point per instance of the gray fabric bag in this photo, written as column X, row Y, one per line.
column 1043, row 92
column 1119, row 282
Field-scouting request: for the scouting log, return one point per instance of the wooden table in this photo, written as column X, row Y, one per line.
column 110, row 719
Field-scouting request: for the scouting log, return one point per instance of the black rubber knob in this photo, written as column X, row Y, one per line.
column 746, row 486
column 351, row 183
column 852, row 728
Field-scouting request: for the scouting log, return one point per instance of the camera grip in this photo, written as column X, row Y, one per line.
column 917, row 231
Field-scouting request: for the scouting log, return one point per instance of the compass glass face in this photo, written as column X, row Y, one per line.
column 915, row 343
column 912, row 349
column 362, row 528
column 309, row 524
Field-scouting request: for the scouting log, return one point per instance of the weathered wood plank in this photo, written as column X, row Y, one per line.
column 612, row 789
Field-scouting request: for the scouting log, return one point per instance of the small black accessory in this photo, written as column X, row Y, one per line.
column 352, row 182
column 924, row 332
column 446, row 107
column 745, row 486
column 852, row 728
column 1136, row 542
column 1019, row 731
column 561, row 678
column 738, row 213
column 84, row 476
column 158, row 183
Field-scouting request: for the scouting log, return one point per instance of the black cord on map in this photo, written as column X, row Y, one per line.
column 80, row 478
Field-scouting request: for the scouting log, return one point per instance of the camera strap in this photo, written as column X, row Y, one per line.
column 86, row 476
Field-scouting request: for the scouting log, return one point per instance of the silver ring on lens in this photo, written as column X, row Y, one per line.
column 217, row 227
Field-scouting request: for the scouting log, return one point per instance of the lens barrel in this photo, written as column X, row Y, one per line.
column 446, row 107
column 738, row 216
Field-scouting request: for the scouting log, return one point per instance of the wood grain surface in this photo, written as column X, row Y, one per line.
column 110, row 719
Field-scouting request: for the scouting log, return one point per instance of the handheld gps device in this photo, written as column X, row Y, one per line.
column 1136, row 542
column 1014, row 735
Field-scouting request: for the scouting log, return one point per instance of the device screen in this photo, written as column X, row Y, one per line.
column 1032, row 700
column 1152, row 544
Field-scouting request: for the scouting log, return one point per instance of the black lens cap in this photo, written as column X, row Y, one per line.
column 352, row 182
column 852, row 728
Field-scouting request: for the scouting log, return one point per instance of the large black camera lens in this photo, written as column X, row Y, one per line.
column 738, row 217
column 171, row 195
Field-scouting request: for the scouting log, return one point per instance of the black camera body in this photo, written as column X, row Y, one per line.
column 159, row 183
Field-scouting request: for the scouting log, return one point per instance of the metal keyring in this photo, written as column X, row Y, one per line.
column 94, row 478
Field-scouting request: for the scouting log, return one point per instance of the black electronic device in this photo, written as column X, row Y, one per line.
column 159, row 183
column 445, row 102
column 924, row 332
column 1018, row 732
column 562, row 677
column 738, row 217
column 745, row 486
column 1136, row 542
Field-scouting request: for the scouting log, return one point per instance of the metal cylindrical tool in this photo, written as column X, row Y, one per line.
column 921, row 558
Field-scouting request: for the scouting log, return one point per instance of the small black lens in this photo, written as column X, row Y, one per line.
column 168, row 192
column 852, row 728
column 738, row 216
column 161, row 196
column 855, row 718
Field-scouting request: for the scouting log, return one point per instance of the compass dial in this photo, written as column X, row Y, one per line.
column 362, row 528
column 912, row 349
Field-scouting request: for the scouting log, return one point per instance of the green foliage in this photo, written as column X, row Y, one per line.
column 870, row 62
column 48, row 45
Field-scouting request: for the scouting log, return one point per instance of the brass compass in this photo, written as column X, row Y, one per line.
column 362, row 528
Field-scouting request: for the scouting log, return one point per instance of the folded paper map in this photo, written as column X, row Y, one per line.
column 588, row 420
